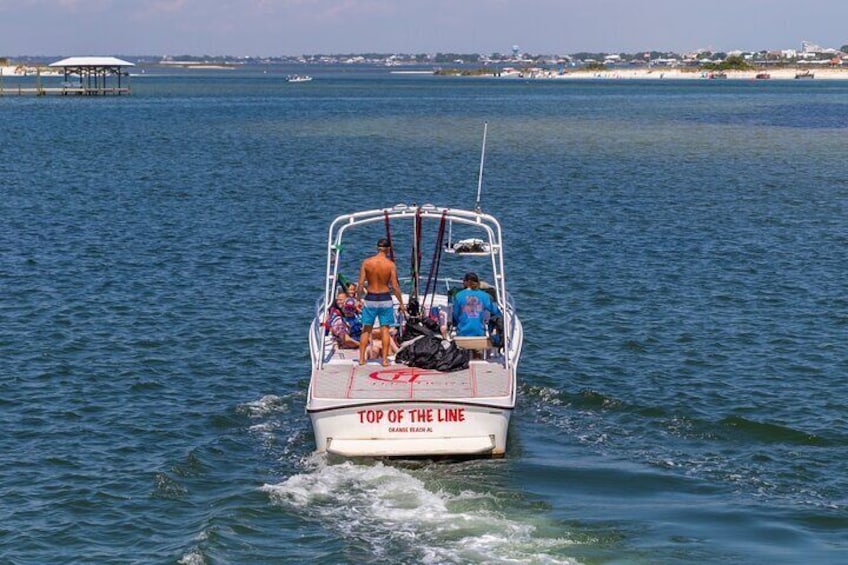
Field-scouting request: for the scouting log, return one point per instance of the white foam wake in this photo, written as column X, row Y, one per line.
column 394, row 513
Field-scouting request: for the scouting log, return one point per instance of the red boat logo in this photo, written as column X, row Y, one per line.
column 401, row 374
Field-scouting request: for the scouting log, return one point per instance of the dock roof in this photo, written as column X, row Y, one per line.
column 92, row 62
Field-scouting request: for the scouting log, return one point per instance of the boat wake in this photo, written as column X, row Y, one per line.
column 731, row 452
column 274, row 418
column 418, row 515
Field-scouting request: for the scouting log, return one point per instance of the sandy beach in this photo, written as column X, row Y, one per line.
column 687, row 74
column 25, row 70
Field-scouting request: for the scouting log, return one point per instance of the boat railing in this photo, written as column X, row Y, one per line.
column 318, row 334
column 317, row 331
column 479, row 220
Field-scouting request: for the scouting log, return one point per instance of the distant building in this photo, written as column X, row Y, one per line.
column 810, row 48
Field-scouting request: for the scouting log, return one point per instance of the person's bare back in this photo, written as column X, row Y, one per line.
column 380, row 274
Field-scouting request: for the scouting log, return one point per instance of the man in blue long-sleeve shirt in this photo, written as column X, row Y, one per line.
column 469, row 305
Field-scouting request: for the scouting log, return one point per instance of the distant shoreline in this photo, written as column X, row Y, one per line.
column 667, row 74
column 538, row 73
column 677, row 74
column 11, row 71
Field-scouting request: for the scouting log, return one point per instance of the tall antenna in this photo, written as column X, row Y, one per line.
column 480, row 176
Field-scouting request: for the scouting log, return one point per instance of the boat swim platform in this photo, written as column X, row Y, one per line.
column 396, row 382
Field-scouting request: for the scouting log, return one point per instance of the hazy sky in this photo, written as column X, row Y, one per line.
column 293, row 27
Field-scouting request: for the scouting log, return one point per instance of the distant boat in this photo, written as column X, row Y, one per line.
column 717, row 74
column 763, row 76
column 804, row 74
column 298, row 78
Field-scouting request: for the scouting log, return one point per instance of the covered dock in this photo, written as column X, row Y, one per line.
column 93, row 76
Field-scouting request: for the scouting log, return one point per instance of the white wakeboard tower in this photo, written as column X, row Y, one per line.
column 400, row 410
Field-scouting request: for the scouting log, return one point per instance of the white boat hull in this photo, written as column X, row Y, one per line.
column 412, row 429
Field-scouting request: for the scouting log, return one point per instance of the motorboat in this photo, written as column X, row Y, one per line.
column 399, row 410
column 298, row 78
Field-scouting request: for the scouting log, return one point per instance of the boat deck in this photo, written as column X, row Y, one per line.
column 349, row 381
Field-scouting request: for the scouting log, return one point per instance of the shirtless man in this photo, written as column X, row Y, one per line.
column 381, row 275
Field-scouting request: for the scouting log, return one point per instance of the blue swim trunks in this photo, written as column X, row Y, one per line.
column 379, row 306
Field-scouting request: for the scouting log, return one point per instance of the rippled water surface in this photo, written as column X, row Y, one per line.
column 677, row 251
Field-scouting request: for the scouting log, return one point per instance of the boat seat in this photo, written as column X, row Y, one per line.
column 472, row 342
column 475, row 343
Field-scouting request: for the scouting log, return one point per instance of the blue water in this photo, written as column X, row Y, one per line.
column 678, row 252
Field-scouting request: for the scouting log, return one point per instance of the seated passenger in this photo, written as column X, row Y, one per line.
column 335, row 309
column 350, row 311
column 375, row 348
column 351, row 289
column 345, row 326
column 469, row 307
column 341, row 297
column 437, row 320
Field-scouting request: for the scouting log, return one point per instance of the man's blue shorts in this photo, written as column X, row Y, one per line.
column 378, row 306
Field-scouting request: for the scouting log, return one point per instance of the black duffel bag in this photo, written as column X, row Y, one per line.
column 427, row 350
